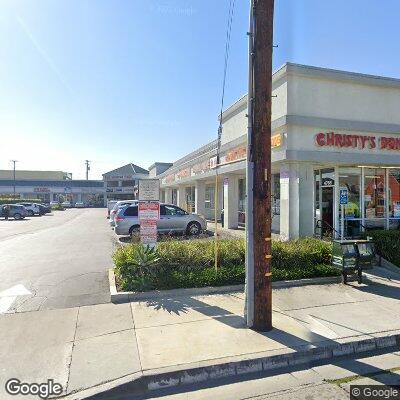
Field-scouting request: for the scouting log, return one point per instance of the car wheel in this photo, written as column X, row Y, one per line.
column 17, row 216
column 134, row 231
column 193, row 228
column 31, row 213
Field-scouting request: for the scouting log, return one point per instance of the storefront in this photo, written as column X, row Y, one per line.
column 90, row 192
column 331, row 130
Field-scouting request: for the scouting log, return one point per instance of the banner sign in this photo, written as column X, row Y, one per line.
column 148, row 232
column 149, row 210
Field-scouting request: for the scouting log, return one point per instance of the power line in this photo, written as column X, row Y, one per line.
column 227, row 52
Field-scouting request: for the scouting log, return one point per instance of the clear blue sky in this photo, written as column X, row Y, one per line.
column 139, row 81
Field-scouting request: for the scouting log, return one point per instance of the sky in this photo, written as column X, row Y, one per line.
column 119, row 81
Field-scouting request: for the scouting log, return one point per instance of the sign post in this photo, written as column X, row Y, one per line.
column 344, row 200
column 149, row 210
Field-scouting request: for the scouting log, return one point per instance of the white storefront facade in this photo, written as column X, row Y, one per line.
column 331, row 130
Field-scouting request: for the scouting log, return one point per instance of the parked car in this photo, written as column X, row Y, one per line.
column 80, row 204
column 172, row 219
column 16, row 211
column 54, row 203
column 32, row 208
column 117, row 206
column 110, row 206
column 66, row 204
column 44, row 209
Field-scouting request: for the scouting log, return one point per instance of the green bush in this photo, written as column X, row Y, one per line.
column 387, row 244
column 182, row 264
column 17, row 201
column 58, row 207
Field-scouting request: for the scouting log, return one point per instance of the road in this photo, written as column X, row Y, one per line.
column 55, row 261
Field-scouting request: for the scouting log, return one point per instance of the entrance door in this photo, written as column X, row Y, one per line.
column 324, row 202
column 327, row 210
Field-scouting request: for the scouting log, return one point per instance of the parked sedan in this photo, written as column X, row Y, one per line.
column 117, row 206
column 172, row 219
column 66, row 204
column 44, row 209
column 16, row 211
column 80, row 204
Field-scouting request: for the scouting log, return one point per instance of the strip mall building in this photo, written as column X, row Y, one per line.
column 331, row 130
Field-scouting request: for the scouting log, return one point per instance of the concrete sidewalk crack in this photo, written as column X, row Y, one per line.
column 72, row 351
column 136, row 341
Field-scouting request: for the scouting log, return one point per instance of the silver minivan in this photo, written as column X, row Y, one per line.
column 172, row 219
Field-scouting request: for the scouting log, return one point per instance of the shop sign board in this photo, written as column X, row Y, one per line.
column 149, row 210
column 41, row 190
column 149, row 214
column 360, row 142
column 149, row 190
column 148, row 232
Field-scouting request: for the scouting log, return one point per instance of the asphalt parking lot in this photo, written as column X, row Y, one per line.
column 58, row 260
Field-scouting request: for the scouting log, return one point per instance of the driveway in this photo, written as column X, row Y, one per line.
column 55, row 261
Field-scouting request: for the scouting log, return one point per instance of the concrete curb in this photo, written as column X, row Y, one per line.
column 178, row 376
column 269, row 363
column 121, row 297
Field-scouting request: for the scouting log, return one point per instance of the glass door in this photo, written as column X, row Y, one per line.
column 324, row 202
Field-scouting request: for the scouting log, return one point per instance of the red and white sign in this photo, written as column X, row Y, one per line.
column 149, row 210
column 361, row 142
column 148, row 231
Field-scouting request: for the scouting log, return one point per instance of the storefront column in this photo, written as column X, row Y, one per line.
column 297, row 201
column 231, row 201
column 200, row 198
column 168, row 195
column 181, row 197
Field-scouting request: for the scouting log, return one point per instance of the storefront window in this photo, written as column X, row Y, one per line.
column 242, row 195
column 394, row 198
column 190, row 199
column 242, row 202
column 175, row 196
column 210, row 197
column 374, row 198
column 350, row 179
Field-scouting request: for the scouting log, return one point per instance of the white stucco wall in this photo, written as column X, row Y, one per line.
column 235, row 124
column 347, row 100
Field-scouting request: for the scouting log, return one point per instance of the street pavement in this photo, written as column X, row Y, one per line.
column 91, row 348
column 55, row 261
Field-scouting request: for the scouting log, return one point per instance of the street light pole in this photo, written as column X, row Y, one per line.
column 14, row 162
column 258, row 260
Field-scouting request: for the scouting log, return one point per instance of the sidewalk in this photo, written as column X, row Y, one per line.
column 180, row 338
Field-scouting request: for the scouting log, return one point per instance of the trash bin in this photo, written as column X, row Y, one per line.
column 352, row 257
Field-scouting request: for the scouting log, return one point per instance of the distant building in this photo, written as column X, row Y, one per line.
column 121, row 183
column 35, row 175
column 158, row 168
column 46, row 190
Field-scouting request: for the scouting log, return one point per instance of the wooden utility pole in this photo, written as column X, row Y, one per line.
column 259, row 167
